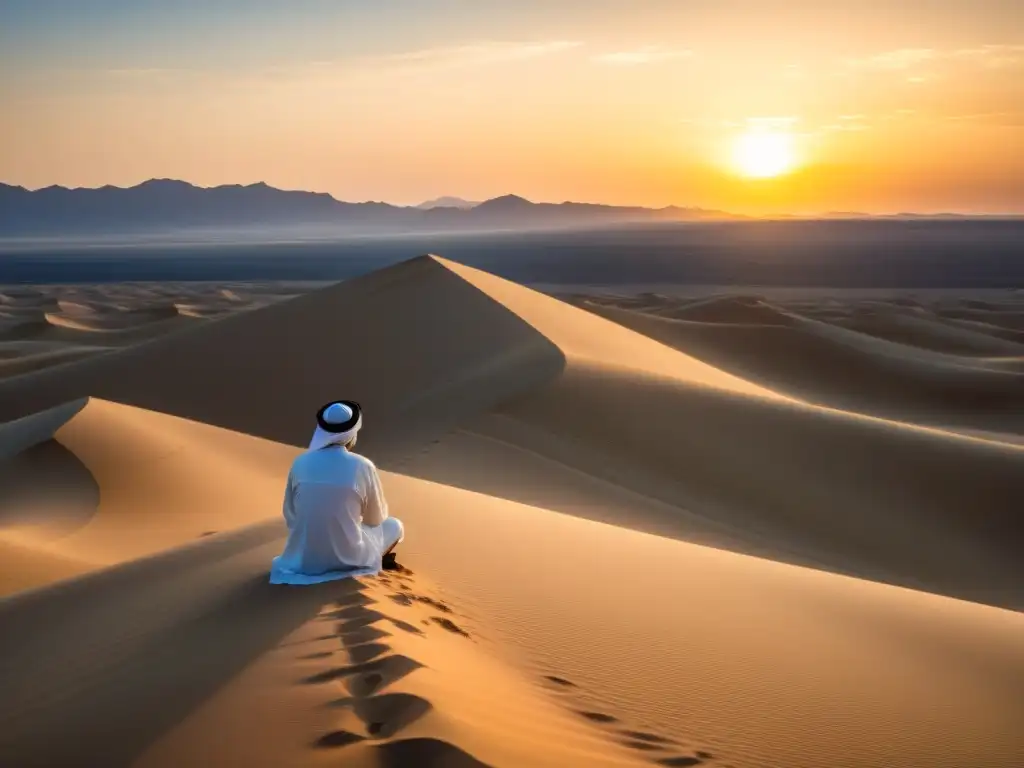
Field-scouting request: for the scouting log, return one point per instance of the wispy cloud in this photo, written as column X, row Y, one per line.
column 754, row 124
column 847, row 124
column 447, row 57
column 651, row 54
column 1009, row 118
column 902, row 58
column 844, row 126
column 992, row 55
column 771, row 123
column 485, row 52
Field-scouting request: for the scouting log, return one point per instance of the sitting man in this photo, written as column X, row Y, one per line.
column 338, row 523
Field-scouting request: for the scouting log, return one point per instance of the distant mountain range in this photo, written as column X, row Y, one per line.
column 447, row 202
column 162, row 205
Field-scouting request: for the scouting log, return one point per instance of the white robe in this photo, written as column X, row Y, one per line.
column 334, row 507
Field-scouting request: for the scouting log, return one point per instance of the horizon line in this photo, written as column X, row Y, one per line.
column 474, row 204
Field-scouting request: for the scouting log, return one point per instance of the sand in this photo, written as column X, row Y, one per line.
column 53, row 324
column 642, row 530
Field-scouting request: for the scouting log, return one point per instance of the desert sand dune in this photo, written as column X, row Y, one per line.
column 127, row 485
column 92, row 331
column 465, row 353
column 111, row 319
column 670, row 628
column 20, row 298
column 57, row 324
column 727, row 309
column 666, row 630
column 1008, row 318
column 835, row 367
column 23, row 357
column 931, row 334
column 202, row 310
column 987, row 328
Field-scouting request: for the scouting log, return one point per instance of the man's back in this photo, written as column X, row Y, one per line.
column 333, row 502
column 336, row 466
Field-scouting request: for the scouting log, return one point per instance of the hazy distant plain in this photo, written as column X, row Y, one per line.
column 886, row 254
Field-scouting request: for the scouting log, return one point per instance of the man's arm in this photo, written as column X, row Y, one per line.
column 375, row 509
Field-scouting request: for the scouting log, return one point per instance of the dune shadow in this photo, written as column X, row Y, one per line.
column 336, row 739
column 425, row 753
column 113, row 660
column 388, row 713
column 46, row 488
column 367, row 676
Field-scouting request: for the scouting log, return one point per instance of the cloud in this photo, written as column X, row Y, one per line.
column 1011, row 118
column 758, row 124
column 651, row 54
column 843, row 127
column 846, row 124
column 485, row 52
column 360, row 67
column 901, row 58
column 991, row 55
column 771, row 123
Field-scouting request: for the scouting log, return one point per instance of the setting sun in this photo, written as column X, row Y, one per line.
column 764, row 154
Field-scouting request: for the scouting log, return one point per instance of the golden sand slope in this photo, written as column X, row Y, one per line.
column 503, row 419
column 872, row 497
column 755, row 662
column 833, row 366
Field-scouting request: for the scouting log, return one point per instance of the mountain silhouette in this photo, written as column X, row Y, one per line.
column 446, row 201
column 162, row 205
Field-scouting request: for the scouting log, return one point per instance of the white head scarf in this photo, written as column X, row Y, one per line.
column 337, row 423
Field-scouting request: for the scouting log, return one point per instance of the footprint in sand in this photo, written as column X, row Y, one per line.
column 598, row 717
column 643, row 746
column 361, row 635
column 425, row 752
column 380, row 673
column 647, row 738
column 365, row 652
column 405, row 626
column 368, row 676
column 405, row 598
column 674, row 762
column 357, row 618
column 641, row 741
column 449, row 625
column 385, row 715
column 388, row 713
column 337, row 739
column 320, row 655
column 560, row 681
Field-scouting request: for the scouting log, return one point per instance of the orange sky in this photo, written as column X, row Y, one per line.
column 917, row 107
